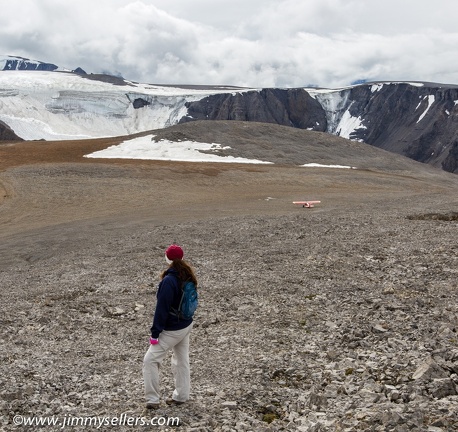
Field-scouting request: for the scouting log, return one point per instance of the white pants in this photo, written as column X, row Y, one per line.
column 178, row 341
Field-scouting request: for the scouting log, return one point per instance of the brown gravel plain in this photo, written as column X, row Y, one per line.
column 306, row 316
column 49, row 183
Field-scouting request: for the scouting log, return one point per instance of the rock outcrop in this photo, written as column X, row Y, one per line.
column 288, row 107
column 415, row 120
column 6, row 134
column 21, row 63
column 419, row 122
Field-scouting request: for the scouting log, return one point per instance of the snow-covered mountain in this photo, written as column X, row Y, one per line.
column 62, row 105
column 9, row 63
column 417, row 120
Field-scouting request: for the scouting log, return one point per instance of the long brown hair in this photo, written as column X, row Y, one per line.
column 184, row 270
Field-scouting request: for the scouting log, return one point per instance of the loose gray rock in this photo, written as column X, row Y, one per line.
column 337, row 318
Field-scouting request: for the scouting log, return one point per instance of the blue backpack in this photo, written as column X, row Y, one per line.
column 188, row 302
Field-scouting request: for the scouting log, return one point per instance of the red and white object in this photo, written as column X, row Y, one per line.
column 307, row 204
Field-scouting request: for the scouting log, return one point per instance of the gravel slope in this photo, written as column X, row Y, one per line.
column 340, row 317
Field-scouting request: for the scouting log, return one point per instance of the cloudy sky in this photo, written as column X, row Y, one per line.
column 252, row 43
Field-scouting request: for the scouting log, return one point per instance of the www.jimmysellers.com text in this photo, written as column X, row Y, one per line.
column 95, row 422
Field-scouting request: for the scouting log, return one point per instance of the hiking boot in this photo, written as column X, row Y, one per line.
column 152, row 406
column 173, row 402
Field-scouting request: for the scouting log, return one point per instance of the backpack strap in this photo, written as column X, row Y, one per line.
column 173, row 311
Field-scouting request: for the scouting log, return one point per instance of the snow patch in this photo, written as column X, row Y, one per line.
column 376, row 87
column 317, row 165
column 349, row 124
column 333, row 103
column 336, row 105
column 431, row 99
column 183, row 151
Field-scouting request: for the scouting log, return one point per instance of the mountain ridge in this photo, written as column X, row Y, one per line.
column 355, row 113
column 10, row 63
column 413, row 119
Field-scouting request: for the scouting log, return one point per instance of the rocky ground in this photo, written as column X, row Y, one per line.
column 343, row 317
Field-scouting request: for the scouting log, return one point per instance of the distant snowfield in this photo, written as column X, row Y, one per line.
column 317, row 165
column 42, row 105
column 51, row 106
column 63, row 106
column 184, row 151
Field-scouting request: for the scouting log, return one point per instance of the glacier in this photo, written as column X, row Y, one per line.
column 64, row 106
column 51, row 106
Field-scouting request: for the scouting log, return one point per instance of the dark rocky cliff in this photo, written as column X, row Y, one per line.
column 288, row 107
column 419, row 121
column 6, row 134
column 20, row 63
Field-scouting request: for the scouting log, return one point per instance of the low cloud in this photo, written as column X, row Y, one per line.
column 281, row 43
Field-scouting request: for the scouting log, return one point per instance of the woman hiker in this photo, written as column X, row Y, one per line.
column 169, row 332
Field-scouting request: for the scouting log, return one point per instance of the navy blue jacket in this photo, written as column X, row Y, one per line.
column 168, row 297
